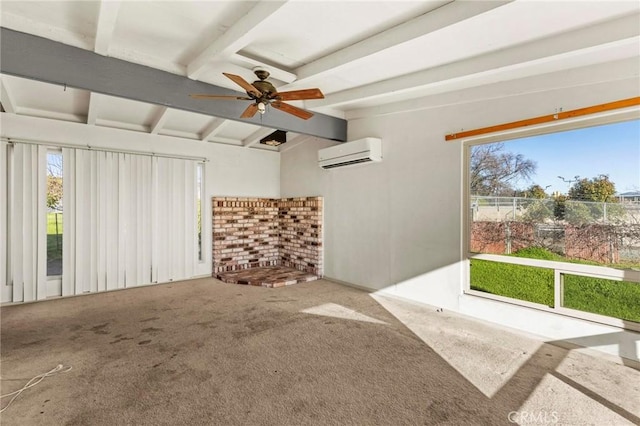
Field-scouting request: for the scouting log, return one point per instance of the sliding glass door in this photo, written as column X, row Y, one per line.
column 84, row 221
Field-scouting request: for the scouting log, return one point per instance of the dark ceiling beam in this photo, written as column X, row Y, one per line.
column 37, row 58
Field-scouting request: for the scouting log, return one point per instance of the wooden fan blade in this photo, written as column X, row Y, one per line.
column 298, row 112
column 299, row 95
column 250, row 111
column 205, row 96
column 250, row 88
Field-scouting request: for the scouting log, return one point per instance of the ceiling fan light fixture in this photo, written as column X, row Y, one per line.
column 275, row 139
column 263, row 93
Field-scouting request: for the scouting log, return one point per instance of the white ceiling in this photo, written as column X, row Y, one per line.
column 362, row 54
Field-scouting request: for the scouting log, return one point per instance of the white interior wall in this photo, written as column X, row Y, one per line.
column 396, row 226
column 230, row 170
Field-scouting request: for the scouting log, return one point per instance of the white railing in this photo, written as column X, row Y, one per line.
column 560, row 270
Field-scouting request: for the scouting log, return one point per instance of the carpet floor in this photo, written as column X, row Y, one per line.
column 203, row 352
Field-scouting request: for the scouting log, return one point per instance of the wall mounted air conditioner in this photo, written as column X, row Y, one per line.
column 349, row 153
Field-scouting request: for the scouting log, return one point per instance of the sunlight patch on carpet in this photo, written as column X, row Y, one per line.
column 338, row 311
column 465, row 344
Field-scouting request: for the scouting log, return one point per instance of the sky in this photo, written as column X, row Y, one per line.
column 612, row 149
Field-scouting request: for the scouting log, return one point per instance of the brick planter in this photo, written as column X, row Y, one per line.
column 251, row 233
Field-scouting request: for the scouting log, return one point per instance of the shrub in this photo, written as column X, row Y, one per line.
column 577, row 213
column 537, row 212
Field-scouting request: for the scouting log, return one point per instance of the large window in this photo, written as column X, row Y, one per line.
column 554, row 222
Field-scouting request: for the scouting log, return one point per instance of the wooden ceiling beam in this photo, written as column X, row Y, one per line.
column 240, row 34
column 7, row 99
column 213, row 128
column 420, row 26
column 94, row 105
column 617, row 34
column 159, row 120
column 106, row 24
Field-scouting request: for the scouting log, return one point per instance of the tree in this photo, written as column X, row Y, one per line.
column 538, row 212
column 494, row 171
column 595, row 192
column 54, row 191
column 535, row 191
column 54, row 179
column 590, row 200
column 599, row 188
column 560, row 207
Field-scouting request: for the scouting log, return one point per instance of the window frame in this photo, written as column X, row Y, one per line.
column 559, row 268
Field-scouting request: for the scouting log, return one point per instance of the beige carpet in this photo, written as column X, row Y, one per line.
column 204, row 352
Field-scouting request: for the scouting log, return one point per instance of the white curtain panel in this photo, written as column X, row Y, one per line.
column 129, row 220
column 133, row 220
column 6, row 290
column 174, row 220
column 97, row 239
column 26, row 268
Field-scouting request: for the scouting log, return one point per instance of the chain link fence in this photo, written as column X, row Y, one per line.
column 601, row 232
column 498, row 209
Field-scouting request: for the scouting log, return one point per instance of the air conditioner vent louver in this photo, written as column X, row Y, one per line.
column 347, row 163
column 365, row 150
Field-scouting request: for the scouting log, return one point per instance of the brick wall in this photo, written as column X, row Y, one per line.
column 500, row 237
column 257, row 232
column 589, row 242
column 592, row 242
column 300, row 223
column 245, row 233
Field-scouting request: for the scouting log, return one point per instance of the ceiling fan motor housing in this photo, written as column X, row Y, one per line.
column 265, row 87
column 261, row 73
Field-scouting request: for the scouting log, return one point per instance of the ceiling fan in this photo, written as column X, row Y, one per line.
column 263, row 93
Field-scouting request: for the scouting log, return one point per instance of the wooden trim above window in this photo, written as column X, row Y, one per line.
column 562, row 115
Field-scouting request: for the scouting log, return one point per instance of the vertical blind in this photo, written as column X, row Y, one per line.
column 129, row 220
column 26, row 238
column 5, row 290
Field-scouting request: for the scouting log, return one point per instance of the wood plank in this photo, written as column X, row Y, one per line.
column 563, row 115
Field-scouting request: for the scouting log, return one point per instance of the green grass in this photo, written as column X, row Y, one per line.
column 619, row 299
column 54, row 239
column 515, row 281
column 54, row 247
column 51, row 223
